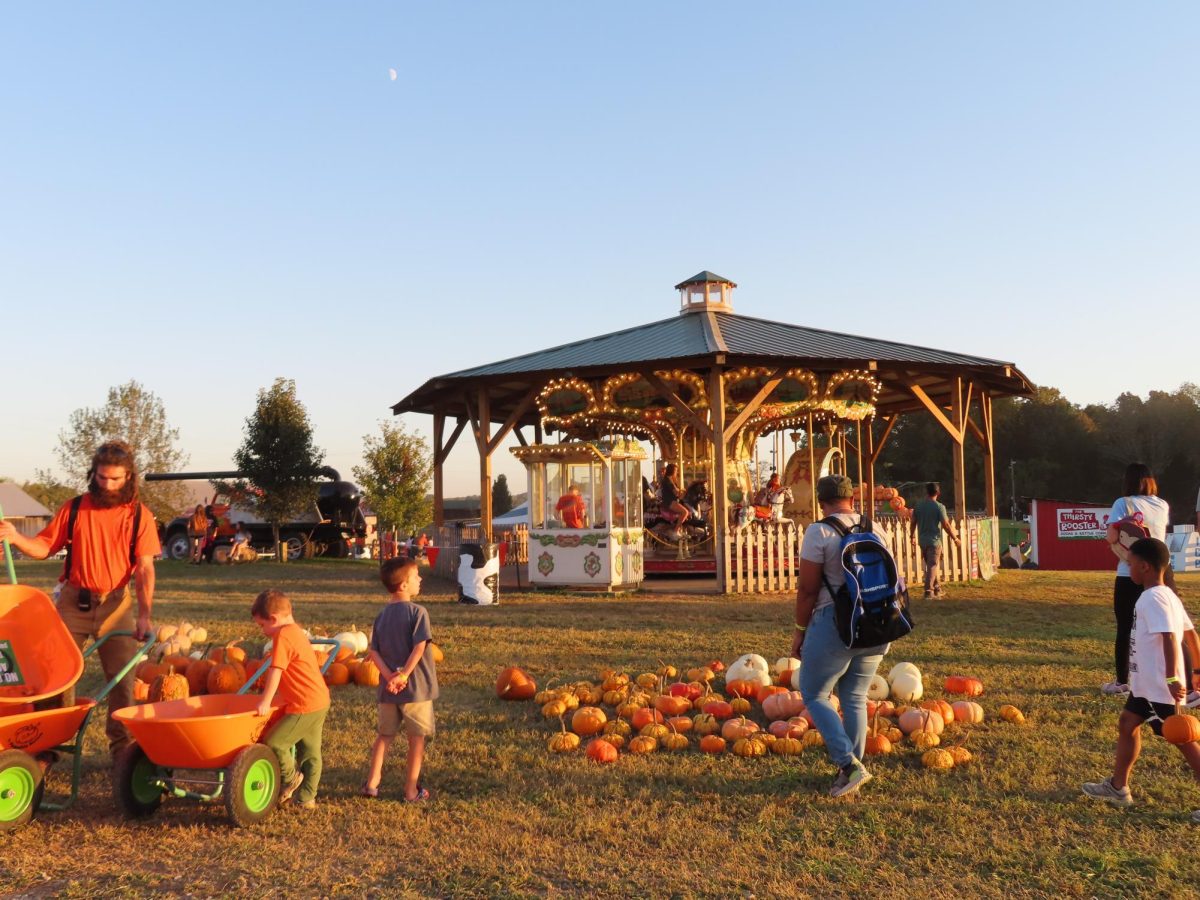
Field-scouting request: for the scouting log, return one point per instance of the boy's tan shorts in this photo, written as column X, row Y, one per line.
column 417, row 718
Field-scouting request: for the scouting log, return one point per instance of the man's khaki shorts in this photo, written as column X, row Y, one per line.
column 417, row 718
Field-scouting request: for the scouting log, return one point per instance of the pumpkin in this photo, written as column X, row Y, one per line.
column 225, row 678
column 938, row 759
column 921, row 720
column 903, row 667
column 166, row 632
column 177, row 661
column 617, row 740
column 366, row 673
column 740, row 706
column 141, row 691
column 763, row 737
column 654, row 730
column 148, row 671
column 716, row 665
column 645, row 715
column 961, row 684
column 569, row 699
column 672, row 706
column 614, row 681
column 787, row 746
column 907, row 688
column 615, row 698
column 198, row 635
column 1181, row 729
column 564, row 741
column 647, row 680
column 769, row 689
column 961, row 754
column 924, row 740
column 618, row 726
column 742, row 688
column 601, row 751
column 1010, row 713
column 666, row 672
column 436, row 652
column 680, row 724
column 674, row 741
column 589, row 694
column 785, row 664
column 748, row 667
column 712, row 743
column 813, row 738
column 337, row 674
column 718, row 709
column 879, row 688
column 784, row 679
column 643, row 744
column 169, row 687
column 885, row 708
column 748, row 749
column 701, row 673
column 551, row 710
column 738, row 728
column 705, row 723
column 628, row 707
column 878, row 745
column 894, row 734
column 235, row 654
column 197, row 675
column 967, row 712
column 513, row 684
column 588, row 720
column 354, row 641
column 942, row 708
column 783, row 705
column 689, row 690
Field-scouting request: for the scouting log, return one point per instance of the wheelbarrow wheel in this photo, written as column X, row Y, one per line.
column 20, row 788
column 252, row 785
column 137, row 790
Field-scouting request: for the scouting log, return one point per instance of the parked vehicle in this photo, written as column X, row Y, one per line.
column 329, row 530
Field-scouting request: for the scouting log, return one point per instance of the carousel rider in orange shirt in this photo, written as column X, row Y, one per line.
column 113, row 541
column 572, row 508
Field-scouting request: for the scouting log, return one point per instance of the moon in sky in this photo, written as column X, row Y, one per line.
column 393, row 74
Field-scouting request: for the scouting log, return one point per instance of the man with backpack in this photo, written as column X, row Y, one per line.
column 849, row 605
column 111, row 539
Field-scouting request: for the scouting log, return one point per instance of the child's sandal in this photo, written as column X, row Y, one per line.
column 422, row 796
column 368, row 792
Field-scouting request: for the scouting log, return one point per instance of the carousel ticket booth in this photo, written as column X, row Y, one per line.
column 585, row 513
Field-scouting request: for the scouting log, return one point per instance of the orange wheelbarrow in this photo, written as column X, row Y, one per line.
column 209, row 743
column 38, row 661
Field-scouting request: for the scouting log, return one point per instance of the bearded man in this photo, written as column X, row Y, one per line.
column 110, row 538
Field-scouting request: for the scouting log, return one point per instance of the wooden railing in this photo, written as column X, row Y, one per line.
column 763, row 559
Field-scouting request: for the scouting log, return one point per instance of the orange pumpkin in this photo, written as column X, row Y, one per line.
column 366, row 673
column 878, row 744
column 738, row 728
column 588, row 720
column 680, row 724
column 601, row 751
column 224, row 678
column 148, row 671
column 961, row 684
column 769, row 690
column 1181, row 729
column 740, row 687
column 672, row 706
column 141, row 691
column 710, row 743
column 337, row 674
column 944, row 709
column 705, row 723
column 513, row 684
column 783, row 705
column 793, row 728
column 645, row 715
column 718, row 709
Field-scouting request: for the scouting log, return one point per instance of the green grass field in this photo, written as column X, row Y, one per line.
column 509, row 819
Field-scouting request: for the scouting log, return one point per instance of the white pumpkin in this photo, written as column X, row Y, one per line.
column 356, row 641
column 364, row 642
column 185, row 629
column 784, row 664
column 878, row 689
column 795, row 679
column 166, row 632
column 907, row 688
column 199, row 635
column 748, row 667
column 902, row 667
column 196, row 654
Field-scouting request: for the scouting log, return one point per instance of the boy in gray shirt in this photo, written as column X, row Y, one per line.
column 401, row 647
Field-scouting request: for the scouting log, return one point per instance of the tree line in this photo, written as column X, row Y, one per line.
column 1048, row 447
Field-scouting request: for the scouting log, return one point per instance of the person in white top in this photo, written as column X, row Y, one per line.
column 1140, row 502
column 1156, row 666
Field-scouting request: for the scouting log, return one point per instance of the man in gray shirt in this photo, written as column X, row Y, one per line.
column 931, row 518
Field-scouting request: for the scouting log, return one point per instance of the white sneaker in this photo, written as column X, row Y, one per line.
column 1193, row 700
column 1114, row 687
column 849, row 779
column 1196, row 817
column 1104, row 790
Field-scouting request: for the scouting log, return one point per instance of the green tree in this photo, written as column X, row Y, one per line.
column 48, row 490
column 278, row 457
column 397, row 466
column 502, row 500
column 138, row 417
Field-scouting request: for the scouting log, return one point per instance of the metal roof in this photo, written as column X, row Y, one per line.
column 18, row 504
column 705, row 277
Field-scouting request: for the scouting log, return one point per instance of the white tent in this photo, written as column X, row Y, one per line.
column 518, row 515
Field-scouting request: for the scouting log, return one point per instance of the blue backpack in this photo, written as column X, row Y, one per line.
column 871, row 608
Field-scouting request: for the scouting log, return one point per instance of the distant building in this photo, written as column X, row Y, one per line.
column 23, row 511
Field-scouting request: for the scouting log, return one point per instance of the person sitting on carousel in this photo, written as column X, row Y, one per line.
column 773, row 486
column 672, row 499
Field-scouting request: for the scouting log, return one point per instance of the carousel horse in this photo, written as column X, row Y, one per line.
column 665, row 523
column 770, row 514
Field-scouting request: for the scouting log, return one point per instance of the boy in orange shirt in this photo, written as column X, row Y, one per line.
column 296, row 678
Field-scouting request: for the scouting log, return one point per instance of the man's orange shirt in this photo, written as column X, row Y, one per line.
column 100, row 548
column 573, row 509
column 301, row 687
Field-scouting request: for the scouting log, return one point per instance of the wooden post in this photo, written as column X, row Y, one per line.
column 483, row 441
column 439, row 502
column 812, row 468
column 869, row 500
column 989, row 451
column 716, row 406
column 958, row 414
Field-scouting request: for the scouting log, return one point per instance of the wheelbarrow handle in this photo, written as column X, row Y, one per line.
column 266, row 664
column 142, row 652
column 12, row 572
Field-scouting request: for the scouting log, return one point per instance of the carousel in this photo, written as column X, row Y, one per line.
column 688, row 403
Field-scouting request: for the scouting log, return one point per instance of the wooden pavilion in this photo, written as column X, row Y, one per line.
column 723, row 379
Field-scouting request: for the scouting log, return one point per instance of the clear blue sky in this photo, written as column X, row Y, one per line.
column 206, row 196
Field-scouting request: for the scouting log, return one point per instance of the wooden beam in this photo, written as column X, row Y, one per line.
column 720, row 509
column 977, row 433
column 520, row 436
column 989, row 455
column 868, row 506
column 877, row 448
column 755, row 403
column 514, row 417
column 919, row 392
column 956, row 449
column 439, row 456
column 485, row 465
column 449, row 445
column 682, row 408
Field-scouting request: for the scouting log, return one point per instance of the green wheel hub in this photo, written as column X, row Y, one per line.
column 17, row 787
column 258, row 790
column 143, row 782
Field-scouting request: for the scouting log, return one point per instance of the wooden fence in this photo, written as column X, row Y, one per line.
column 764, row 560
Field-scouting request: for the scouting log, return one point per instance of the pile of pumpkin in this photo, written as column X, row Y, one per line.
column 666, row 710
